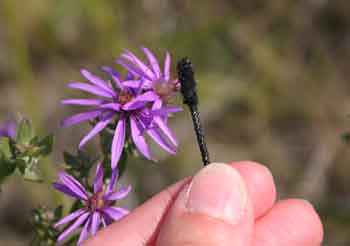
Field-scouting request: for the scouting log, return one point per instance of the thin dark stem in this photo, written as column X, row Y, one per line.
column 200, row 134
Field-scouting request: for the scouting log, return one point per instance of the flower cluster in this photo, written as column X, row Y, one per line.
column 98, row 206
column 136, row 103
column 130, row 107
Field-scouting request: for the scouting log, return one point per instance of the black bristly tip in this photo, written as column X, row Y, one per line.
column 189, row 93
column 188, row 84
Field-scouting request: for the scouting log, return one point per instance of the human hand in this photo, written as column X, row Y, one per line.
column 222, row 205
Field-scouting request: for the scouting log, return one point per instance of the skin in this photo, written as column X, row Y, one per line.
column 163, row 220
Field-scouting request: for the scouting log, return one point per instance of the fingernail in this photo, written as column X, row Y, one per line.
column 218, row 191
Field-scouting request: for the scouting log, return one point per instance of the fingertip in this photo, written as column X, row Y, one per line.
column 292, row 222
column 260, row 184
column 307, row 216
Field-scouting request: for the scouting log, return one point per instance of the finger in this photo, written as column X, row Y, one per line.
column 260, row 185
column 131, row 231
column 213, row 210
column 141, row 226
column 290, row 222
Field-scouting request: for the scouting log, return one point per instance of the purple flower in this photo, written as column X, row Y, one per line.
column 98, row 208
column 8, row 129
column 151, row 77
column 135, row 108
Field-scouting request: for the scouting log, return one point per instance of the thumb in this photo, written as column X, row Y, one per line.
column 213, row 210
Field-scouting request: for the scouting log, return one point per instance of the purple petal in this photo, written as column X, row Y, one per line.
column 70, row 217
column 81, row 117
column 98, row 182
column 73, row 227
column 95, row 222
column 134, row 71
column 97, row 81
column 115, row 213
column 145, row 84
column 113, row 106
column 140, row 100
column 118, row 142
column 106, row 220
column 115, row 76
column 64, row 189
column 154, row 63
column 84, row 232
column 113, row 181
column 160, row 140
column 145, row 118
column 157, row 104
column 98, row 128
column 167, row 67
column 166, row 130
column 74, row 185
column 91, row 89
column 83, row 102
column 132, row 58
column 139, row 139
column 119, row 194
column 8, row 129
column 166, row 111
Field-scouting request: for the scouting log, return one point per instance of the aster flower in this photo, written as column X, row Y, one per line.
column 132, row 108
column 98, row 208
column 150, row 77
column 8, row 129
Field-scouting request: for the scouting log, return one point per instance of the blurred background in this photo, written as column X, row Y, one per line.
column 273, row 81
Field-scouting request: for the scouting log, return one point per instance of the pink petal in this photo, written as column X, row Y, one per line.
column 115, row 213
column 73, row 184
column 115, row 76
column 70, row 217
column 118, row 142
column 83, row 102
column 113, row 181
column 167, row 67
column 139, row 139
column 95, row 222
column 132, row 58
column 73, row 227
column 160, row 140
column 140, row 101
column 166, row 130
column 66, row 190
column 84, row 232
column 98, row 181
column 113, row 106
column 98, row 128
column 97, row 81
column 154, row 63
column 91, row 89
column 81, row 117
column 121, row 193
column 134, row 71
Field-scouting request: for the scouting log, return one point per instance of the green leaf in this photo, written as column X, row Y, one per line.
column 46, row 145
column 7, row 167
column 5, row 147
column 70, row 159
column 24, row 132
column 58, row 212
column 123, row 161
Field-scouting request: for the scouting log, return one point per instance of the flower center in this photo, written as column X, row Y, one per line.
column 124, row 97
column 164, row 89
column 96, row 201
